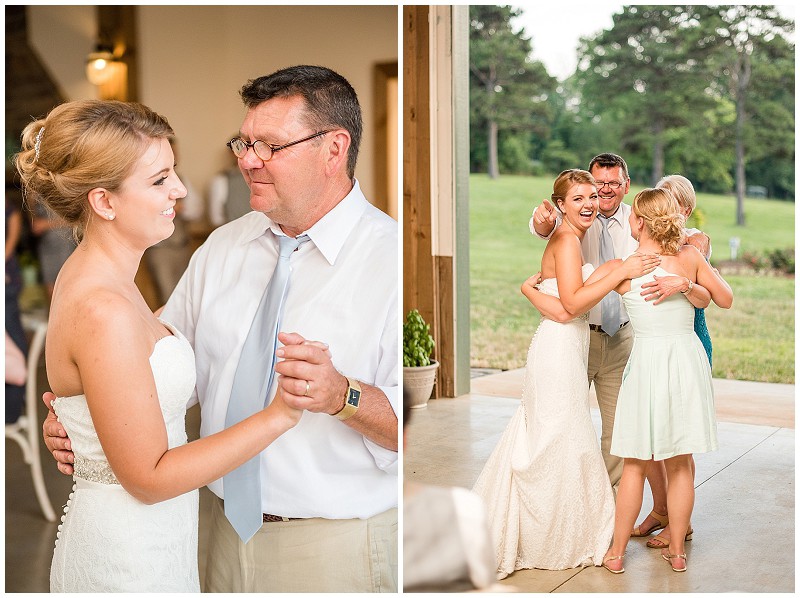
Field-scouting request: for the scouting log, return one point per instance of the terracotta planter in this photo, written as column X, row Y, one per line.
column 418, row 384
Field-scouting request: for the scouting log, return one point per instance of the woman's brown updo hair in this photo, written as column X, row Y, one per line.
column 83, row 145
column 566, row 181
column 662, row 217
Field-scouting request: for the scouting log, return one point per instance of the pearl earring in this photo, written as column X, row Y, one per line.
column 109, row 215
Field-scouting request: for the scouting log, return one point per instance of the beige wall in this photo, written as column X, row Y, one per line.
column 194, row 59
column 62, row 37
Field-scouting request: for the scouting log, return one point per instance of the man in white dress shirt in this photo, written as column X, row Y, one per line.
column 608, row 353
column 329, row 486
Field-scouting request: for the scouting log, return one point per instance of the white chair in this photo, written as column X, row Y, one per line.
column 26, row 431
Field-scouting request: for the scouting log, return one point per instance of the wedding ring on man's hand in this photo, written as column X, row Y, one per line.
column 308, row 387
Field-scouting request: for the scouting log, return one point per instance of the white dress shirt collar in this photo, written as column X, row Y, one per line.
column 329, row 233
column 619, row 216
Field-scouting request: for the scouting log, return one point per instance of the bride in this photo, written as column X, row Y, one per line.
column 122, row 376
column 549, row 501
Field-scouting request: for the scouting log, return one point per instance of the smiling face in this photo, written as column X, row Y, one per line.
column 144, row 205
column 610, row 198
column 286, row 188
column 579, row 205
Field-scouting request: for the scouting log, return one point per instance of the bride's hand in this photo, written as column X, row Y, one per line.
column 278, row 408
column 534, row 280
column 639, row 264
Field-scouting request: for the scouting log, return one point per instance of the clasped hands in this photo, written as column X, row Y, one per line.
column 308, row 381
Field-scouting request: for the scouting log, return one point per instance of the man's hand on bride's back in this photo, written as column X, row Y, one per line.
column 639, row 264
column 55, row 437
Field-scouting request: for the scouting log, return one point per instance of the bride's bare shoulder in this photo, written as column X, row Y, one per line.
column 95, row 311
column 565, row 240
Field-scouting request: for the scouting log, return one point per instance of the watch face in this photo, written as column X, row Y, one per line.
column 352, row 397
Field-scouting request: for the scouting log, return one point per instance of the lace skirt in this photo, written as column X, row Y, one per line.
column 111, row 542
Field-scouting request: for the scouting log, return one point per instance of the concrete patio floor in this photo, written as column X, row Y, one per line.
column 744, row 511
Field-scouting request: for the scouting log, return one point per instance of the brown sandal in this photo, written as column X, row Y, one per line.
column 663, row 521
column 660, row 542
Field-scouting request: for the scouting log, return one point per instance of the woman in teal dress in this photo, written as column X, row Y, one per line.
column 665, row 409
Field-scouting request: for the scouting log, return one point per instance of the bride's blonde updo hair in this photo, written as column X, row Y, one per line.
column 566, row 181
column 662, row 218
column 80, row 146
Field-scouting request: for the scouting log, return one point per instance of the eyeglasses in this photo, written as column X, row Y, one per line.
column 612, row 184
column 263, row 149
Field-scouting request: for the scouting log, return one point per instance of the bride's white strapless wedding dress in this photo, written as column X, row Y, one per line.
column 548, row 497
column 109, row 541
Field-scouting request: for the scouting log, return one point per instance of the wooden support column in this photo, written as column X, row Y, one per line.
column 418, row 282
column 435, row 159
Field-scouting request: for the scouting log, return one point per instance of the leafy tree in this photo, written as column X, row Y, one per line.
column 508, row 90
column 647, row 74
column 753, row 57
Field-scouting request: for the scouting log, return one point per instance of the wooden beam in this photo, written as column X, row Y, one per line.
column 417, row 251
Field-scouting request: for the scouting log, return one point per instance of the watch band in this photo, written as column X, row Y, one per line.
column 352, row 398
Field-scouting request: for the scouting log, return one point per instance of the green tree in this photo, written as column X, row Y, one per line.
column 646, row 73
column 508, row 90
column 752, row 55
column 756, row 66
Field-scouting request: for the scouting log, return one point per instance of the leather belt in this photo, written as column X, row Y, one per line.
column 268, row 517
column 272, row 518
column 598, row 328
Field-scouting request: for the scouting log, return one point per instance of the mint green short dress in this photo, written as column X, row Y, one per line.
column 666, row 402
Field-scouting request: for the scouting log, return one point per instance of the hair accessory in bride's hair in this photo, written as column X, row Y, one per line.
column 38, row 144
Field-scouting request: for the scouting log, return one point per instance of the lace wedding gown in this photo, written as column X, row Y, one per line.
column 109, row 541
column 545, row 486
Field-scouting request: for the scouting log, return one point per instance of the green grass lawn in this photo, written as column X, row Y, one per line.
column 752, row 341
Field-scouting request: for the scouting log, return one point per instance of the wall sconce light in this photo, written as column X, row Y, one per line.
column 100, row 65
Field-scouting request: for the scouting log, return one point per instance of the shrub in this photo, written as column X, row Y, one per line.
column 754, row 260
column 782, row 260
column 777, row 260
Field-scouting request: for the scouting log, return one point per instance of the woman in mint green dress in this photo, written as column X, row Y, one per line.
column 682, row 190
column 665, row 409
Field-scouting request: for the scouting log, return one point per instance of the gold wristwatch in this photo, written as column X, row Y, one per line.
column 351, row 399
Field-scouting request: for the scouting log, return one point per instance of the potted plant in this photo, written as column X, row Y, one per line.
column 419, row 370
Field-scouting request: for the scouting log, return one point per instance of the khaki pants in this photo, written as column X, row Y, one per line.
column 305, row 555
column 607, row 358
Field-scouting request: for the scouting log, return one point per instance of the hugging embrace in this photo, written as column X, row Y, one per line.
column 628, row 325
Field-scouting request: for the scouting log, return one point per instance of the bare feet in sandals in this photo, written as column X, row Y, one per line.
column 614, row 563
column 676, row 561
column 653, row 522
column 662, row 539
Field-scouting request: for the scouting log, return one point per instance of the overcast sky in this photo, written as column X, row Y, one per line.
column 555, row 28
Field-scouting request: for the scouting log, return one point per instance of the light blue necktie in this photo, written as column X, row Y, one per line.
column 251, row 383
column 609, row 306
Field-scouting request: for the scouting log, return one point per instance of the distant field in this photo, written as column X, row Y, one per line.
column 752, row 341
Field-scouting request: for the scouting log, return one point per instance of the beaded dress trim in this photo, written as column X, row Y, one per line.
column 94, row 471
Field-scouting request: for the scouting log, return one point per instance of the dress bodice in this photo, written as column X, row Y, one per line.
column 173, row 366
column 673, row 316
column 549, row 286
